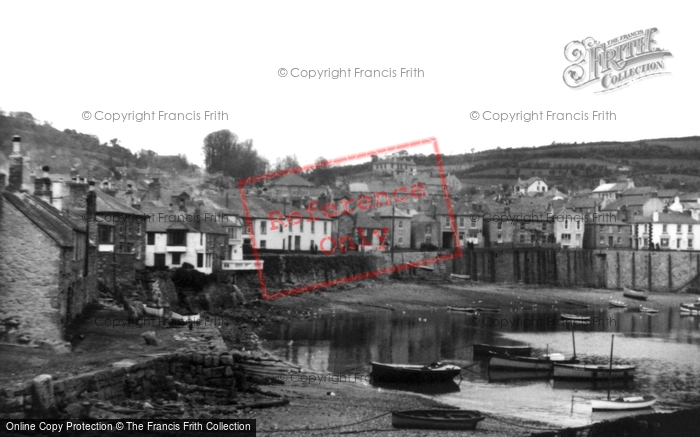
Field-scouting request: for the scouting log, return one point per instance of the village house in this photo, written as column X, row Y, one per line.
column 424, row 230
column 519, row 224
column 569, row 228
column 175, row 237
column 359, row 231
column 605, row 230
column 48, row 262
column 290, row 188
column 612, row 190
column 398, row 221
column 469, row 224
column 394, row 166
column 630, row 206
column 530, row 187
column 667, row 231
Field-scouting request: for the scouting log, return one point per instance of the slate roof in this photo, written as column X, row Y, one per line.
column 422, row 218
column 363, row 220
column 583, row 202
column 666, row 217
column 291, row 180
column 46, row 217
column 638, row 191
column 626, row 201
column 111, row 205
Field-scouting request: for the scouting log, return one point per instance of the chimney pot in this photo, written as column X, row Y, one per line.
column 16, row 143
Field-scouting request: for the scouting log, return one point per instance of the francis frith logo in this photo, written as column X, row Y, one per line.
column 615, row 63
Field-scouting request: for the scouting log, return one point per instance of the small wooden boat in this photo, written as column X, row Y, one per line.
column 634, row 294
column 545, row 362
column 436, row 419
column 456, row 276
column 153, row 309
column 427, row 268
column 690, row 308
column 624, row 403
column 617, row 303
column 414, row 374
column 491, row 310
column 485, row 349
column 575, row 318
column 463, row 310
column 647, row 310
column 593, row 371
column 184, row 318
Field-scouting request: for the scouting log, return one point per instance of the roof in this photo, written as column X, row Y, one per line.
column 689, row 197
column 111, row 205
column 669, row 193
column 422, row 218
column 583, row 202
column 627, row 201
column 363, row 220
column 390, row 211
column 358, row 187
column 291, row 180
column 45, row 217
column 666, row 217
column 607, row 187
column 638, row 191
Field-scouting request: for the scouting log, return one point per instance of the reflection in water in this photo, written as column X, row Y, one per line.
column 664, row 347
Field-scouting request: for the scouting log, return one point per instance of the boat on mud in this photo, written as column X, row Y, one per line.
column 437, row 419
column 414, row 374
column 545, row 362
column 635, row 294
column 593, row 371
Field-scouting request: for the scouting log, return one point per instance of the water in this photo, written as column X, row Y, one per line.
column 665, row 348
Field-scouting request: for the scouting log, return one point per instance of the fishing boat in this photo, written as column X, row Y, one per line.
column 624, row 403
column 545, row 362
column 456, row 276
column 414, row 374
column 617, row 303
column 592, row 371
column 690, row 308
column 621, row 403
column 647, row 310
column 491, row 310
column 437, row 419
column 463, row 310
column 485, row 349
column 575, row 318
column 634, row 294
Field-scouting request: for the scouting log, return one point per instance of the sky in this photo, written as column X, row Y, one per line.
column 64, row 59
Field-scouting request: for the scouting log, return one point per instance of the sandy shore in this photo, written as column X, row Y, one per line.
column 323, row 408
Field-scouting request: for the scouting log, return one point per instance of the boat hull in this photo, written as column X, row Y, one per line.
column 505, row 361
column 413, row 374
column 592, row 372
column 633, row 294
column 574, row 318
column 436, row 419
column 462, row 310
column 690, row 308
column 485, row 349
column 635, row 403
column 617, row 304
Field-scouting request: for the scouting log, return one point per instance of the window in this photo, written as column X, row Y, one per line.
column 578, row 225
column 473, row 223
column 499, row 226
column 400, row 239
column 428, row 229
column 246, row 231
column 679, row 229
column 500, row 238
column 522, row 238
column 601, row 228
column 461, row 222
column 522, row 226
column 461, row 236
column 619, row 241
column 447, row 221
column 690, row 229
column 429, row 239
column 602, row 241
column 664, row 242
column 150, row 238
column 200, row 260
column 176, row 259
column 263, row 227
column 544, row 226
column 263, row 244
column 566, row 224
column 177, row 238
column 301, row 226
column 566, row 237
column 325, row 228
column 400, row 224
column 208, row 258
column 105, row 234
column 233, row 233
column 664, row 228
column 690, row 243
column 313, row 227
column 201, row 238
column 678, row 243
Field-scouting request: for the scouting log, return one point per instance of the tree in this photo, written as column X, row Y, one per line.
column 224, row 153
column 289, row 161
column 323, row 174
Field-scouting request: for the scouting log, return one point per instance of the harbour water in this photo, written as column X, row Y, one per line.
column 665, row 347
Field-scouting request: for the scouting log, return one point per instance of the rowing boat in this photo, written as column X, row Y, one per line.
column 545, row 362
column 456, row 276
column 593, row 371
column 575, row 318
column 617, row 303
column 463, row 310
column 436, row 419
column 624, row 403
column 485, row 349
column 647, row 310
column 690, row 308
column 414, row 374
column 634, row 294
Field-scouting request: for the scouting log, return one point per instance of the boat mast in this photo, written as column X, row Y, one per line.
column 612, row 343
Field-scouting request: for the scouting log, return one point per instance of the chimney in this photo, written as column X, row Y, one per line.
column 170, row 208
column 42, row 186
column 655, row 216
column 654, row 193
column 16, row 166
column 73, row 173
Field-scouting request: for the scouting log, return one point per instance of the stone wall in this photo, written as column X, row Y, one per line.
column 124, row 379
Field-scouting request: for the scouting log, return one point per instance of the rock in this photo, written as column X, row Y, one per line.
column 56, row 346
column 42, row 396
column 150, row 338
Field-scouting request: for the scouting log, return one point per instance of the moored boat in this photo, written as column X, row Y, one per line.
column 647, row 310
column 624, row 403
column 437, row 419
column 427, row 268
column 690, row 308
column 634, row 294
column 617, row 303
column 545, row 362
column 463, row 310
column 414, row 374
column 485, row 349
column 593, row 371
column 575, row 318
column 488, row 310
column 456, row 276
